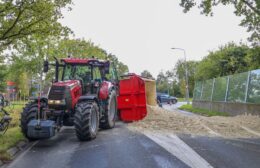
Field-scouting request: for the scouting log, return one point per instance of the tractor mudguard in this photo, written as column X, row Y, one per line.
column 105, row 89
column 88, row 97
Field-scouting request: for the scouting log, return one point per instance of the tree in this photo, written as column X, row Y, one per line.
column 248, row 9
column 179, row 70
column 3, row 72
column 227, row 60
column 120, row 66
column 78, row 48
column 161, row 78
column 147, row 74
column 167, row 83
column 253, row 58
column 21, row 19
column 27, row 58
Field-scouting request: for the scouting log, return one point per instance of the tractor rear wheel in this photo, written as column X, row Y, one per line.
column 109, row 118
column 86, row 120
column 30, row 111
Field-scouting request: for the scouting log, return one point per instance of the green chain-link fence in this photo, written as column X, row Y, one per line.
column 242, row 88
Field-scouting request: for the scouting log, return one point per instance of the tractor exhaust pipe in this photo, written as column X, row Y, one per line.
column 56, row 69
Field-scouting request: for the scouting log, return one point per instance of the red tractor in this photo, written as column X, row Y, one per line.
column 83, row 95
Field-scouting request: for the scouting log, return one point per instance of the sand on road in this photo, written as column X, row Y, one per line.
column 161, row 120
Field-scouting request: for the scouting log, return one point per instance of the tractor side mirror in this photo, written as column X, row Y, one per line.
column 46, row 66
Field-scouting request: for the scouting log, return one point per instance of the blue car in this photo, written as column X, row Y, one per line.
column 165, row 98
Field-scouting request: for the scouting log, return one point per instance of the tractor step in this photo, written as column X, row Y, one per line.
column 41, row 130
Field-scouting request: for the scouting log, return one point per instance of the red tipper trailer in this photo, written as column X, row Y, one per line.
column 132, row 98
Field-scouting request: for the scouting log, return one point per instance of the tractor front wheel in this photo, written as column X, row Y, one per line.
column 86, row 120
column 109, row 118
column 30, row 112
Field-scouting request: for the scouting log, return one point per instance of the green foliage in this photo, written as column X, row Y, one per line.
column 254, row 87
column 220, row 88
column 27, row 58
column 13, row 134
column 3, row 72
column 237, row 87
column 22, row 18
column 228, row 60
column 120, row 66
column 8, row 140
column 146, row 74
column 183, row 99
column 249, row 10
column 205, row 112
column 180, row 75
column 207, row 90
column 78, row 48
column 167, row 83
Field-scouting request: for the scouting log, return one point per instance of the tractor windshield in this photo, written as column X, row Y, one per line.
column 77, row 72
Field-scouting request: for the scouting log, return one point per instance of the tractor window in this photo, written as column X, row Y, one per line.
column 68, row 72
column 96, row 73
column 112, row 74
column 83, row 73
column 77, row 72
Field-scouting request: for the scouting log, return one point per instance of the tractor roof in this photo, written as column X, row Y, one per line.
column 85, row 61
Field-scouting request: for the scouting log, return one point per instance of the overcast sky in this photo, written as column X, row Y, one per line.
column 141, row 32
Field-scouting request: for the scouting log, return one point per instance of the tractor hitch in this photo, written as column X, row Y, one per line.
column 41, row 130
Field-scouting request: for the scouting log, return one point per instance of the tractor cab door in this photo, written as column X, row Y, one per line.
column 132, row 98
column 96, row 80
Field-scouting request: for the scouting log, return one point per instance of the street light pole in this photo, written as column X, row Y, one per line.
column 186, row 74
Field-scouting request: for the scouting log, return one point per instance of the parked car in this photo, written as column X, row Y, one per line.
column 165, row 98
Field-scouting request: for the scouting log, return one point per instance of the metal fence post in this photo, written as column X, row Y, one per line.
column 227, row 88
column 247, row 85
column 212, row 91
column 201, row 90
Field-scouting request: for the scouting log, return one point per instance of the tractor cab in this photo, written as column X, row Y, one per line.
column 75, row 77
column 89, row 72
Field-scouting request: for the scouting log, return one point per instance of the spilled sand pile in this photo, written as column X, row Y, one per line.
column 161, row 120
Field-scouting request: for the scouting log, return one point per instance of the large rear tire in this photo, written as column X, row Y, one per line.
column 110, row 116
column 86, row 120
column 30, row 111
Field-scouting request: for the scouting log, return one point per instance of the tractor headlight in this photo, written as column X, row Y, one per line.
column 57, row 102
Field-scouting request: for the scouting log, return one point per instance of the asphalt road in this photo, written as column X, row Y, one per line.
column 174, row 107
column 122, row 148
column 116, row 148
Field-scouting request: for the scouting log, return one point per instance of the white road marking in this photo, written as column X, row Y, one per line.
column 180, row 149
column 250, row 131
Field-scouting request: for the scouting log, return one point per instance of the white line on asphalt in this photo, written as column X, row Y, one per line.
column 250, row 131
column 180, row 149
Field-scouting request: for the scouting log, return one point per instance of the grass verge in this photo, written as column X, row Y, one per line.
column 205, row 112
column 13, row 134
column 8, row 140
column 184, row 99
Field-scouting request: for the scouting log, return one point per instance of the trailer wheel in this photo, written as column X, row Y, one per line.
column 86, row 120
column 30, row 111
column 110, row 116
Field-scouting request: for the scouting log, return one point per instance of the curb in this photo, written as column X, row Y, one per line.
column 15, row 150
